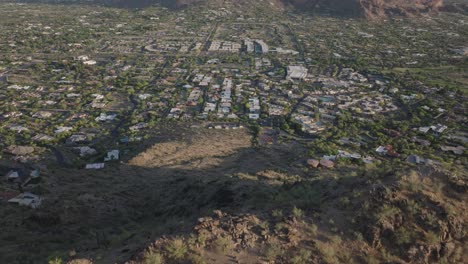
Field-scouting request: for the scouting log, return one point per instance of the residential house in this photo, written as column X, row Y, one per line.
column 27, row 199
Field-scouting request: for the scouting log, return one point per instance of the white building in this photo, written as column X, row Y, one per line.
column 112, row 155
column 95, row 166
column 90, row 62
column 296, row 72
column 27, row 199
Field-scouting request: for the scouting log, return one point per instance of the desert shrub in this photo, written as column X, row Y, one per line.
column 177, row 249
column 264, row 225
column 387, row 256
column 358, row 236
column 221, row 244
column 327, row 252
column 192, row 241
column 345, row 202
column 336, row 239
column 152, row 257
column 196, row 259
column 280, row 227
column 387, row 211
column 80, row 261
column 432, row 238
column 450, row 209
column 365, row 205
column 296, row 212
column 412, row 181
column 412, row 207
column 303, row 257
column 55, row 260
column 201, row 238
column 313, row 229
column 369, row 259
column 272, row 251
column 431, row 219
column 277, row 213
column 356, row 194
column 403, row 236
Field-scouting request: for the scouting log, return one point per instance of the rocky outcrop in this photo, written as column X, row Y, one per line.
column 19, row 150
column 417, row 227
column 242, row 230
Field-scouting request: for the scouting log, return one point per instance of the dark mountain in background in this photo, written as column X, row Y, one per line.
column 175, row 4
column 364, row 8
column 372, row 8
column 455, row 6
column 145, row 3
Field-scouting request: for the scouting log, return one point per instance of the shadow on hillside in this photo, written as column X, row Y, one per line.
column 115, row 212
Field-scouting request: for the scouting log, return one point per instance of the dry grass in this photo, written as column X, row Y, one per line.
column 201, row 150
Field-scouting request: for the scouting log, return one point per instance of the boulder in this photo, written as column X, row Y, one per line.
column 19, row 150
column 313, row 163
column 327, row 164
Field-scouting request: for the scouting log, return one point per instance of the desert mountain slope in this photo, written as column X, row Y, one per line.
column 367, row 8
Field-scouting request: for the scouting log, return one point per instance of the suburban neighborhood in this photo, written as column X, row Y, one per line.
column 91, row 91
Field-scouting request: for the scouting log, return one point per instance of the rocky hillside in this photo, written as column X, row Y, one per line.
column 372, row 8
column 455, row 6
column 367, row 8
column 410, row 219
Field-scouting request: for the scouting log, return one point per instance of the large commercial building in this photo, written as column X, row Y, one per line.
column 296, row 72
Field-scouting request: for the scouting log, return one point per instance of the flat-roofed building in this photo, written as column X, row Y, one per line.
column 296, row 72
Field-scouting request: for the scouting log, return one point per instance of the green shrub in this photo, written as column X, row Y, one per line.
column 272, row 251
column 192, row 241
column 196, row 259
column 313, row 229
column 369, row 259
column 201, row 239
column 56, row 260
column 222, row 244
column 328, row 252
column 281, row 227
column 358, row 236
column 298, row 213
column 277, row 213
column 303, row 257
column 152, row 257
column 404, row 236
column 177, row 249
column 412, row 207
column 432, row 238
